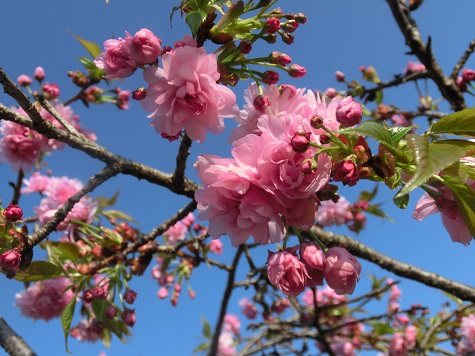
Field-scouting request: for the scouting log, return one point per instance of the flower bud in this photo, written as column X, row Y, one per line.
column 280, row 58
column 97, row 326
column 145, row 47
column 287, row 272
column 39, row 74
column 349, row 113
column 316, row 122
column 289, row 26
column 272, row 25
column 128, row 317
column 51, row 90
column 462, row 84
column 245, row 47
column 300, row 142
column 270, row 77
column 139, row 94
column 468, row 74
column 342, row 270
column 331, row 93
column 111, row 312
column 261, row 103
column 340, row 77
column 301, row 18
column 296, row 71
column 287, row 38
column 24, row 80
column 130, row 296
column 13, row 213
column 270, row 38
column 346, row 172
column 162, row 293
column 10, row 263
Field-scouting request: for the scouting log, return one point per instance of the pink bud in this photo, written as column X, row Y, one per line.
column 331, row 93
column 39, row 74
column 192, row 294
column 287, row 272
column 130, row 296
column 177, row 288
column 296, row 71
column 301, row 18
column 300, row 142
column 342, row 270
column 97, row 326
column 139, row 94
column 462, row 84
column 349, row 113
column 123, row 99
column 216, row 246
column 145, row 47
column 347, row 172
column 24, row 80
column 270, row 77
column 111, row 312
column 10, row 263
column 272, row 25
column 51, row 90
column 128, row 317
column 312, row 255
column 13, row 213
column 287, row 38
column 468, row 74
column 340, row 77
column 261, row 103
column 245, row 47
column 162, row 293
column 280, row 58
column 290, row 26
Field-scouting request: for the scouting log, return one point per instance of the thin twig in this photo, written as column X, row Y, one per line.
column 17, row 187
column 183, row 153
column 463, row 60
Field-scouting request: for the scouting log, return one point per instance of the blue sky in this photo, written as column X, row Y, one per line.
column 340, row 35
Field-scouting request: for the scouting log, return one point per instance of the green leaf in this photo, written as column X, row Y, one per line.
column 401, row 201
column 118, row 328
column 104, row 202
column 377, row 211
column 99, row 307
column 201, row 347
column 66, row 319
column 381, row 328
column 459, row 123
column 429, row 159
column 465, row 199
column 39, row 271
column 93, row 48
column 379, row 97
column 63, row 250
column 374, row 130
column 118, row 215
column 457, row 300
column 206, row 329
column 194, row 20
column 398, row 132
column 367, row 195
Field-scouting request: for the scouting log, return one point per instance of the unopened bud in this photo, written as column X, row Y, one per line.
column 300, row 142
column 245, row 47
column 139, row 94
column 287, row 38
column 296, row 71
column 39, row 74
column 261, row 103
column 270, row 77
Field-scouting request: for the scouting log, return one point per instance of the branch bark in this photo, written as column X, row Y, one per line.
column 13, row 343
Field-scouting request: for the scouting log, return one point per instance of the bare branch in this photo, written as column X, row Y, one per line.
column 13, row 343
column 463, row 60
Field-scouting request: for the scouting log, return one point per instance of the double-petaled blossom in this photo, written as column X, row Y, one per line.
column 45, row 299
column 231, row 323
column 331, row 213
column 248, row 309
column 342, row 270
column 349, row 113
column 314, row 259
column 185, row 95
column 287, row 272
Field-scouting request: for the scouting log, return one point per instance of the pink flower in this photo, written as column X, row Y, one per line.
column 216, row 246
column 13, row 213
column 314, row 260
column 46, row 299
column 176, row 232
column 450, row 214
column 467, row 327
column 248, row 308
column 184, row 94
column 344, row 348
column 144, row 47
column 280, row 305
column 331, row 213
column 226, row 345
column 84, row 332
column 36, row 183
column 413, row 67
column 231, row 324
column 287, row 272
column 234, row 205
column 116, row 59
column 342, row 270
column 349, row 113
column 162, row 293
column 19, row 146
column 123, row 97
column 272, row 25
column 51, row 90
column 398, row 346
column 128, row 317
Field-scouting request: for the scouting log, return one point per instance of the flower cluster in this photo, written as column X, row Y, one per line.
column 292, row 274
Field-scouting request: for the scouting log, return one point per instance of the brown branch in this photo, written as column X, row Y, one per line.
column 183, row 153
column 17, row 187
column 410, row 31
column 13, row 343
column 316, row 320
column 224, row 302
column 398, row 80
column 463, row 60
column 402, row 269
column 67, row 126
column 93, row 182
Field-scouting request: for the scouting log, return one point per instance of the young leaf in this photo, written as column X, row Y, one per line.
column 374, row 130
column 39, row 271
column 104, row 202
column 465, row 199
column 399, row 132
column 194, row 20
column 429, row 159
column 459, row 123
column 66, row 319
column 93, row 48
column 63, row 250
column 206, row 329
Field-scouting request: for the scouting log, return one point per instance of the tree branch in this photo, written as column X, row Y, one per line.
column 13, row 343
column 463, row 60
column 408, row 27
